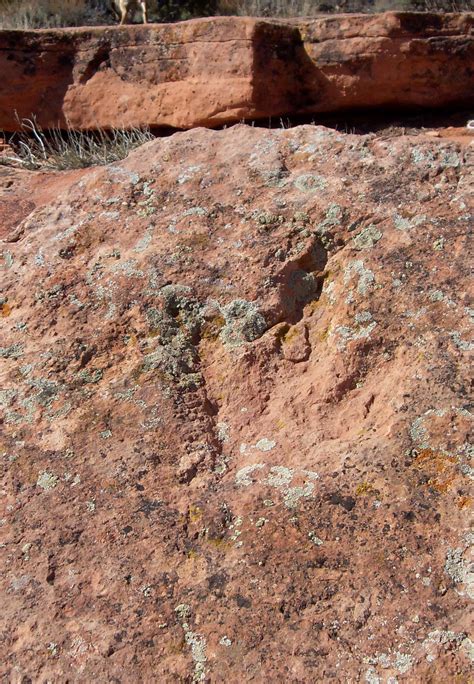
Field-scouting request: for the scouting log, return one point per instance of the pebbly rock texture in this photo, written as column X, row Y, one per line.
column 236, row 415
column 222, row 70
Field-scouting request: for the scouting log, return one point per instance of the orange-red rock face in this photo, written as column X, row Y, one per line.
column 222, row 70
column 235, row 397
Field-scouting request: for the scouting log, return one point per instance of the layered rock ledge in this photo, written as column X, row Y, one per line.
column 222, row 70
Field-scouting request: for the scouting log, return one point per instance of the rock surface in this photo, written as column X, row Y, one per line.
column 235, row 400
column 216, row 71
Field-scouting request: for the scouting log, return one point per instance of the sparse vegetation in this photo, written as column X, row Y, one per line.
column 33, row 14
column 57, row 149
column 301, row 8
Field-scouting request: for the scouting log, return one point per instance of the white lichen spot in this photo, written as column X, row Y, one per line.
column 280, row 478
column 403, row 662
column 225, row 641
column 314, row 538
column 468, row 647
column 243, row 479
column 25, row 549
column 39, row 258
column 371, row 676
column 222, row 432
column 188, row 174
column 328, row 290
column 265, row 444
column 53, row 649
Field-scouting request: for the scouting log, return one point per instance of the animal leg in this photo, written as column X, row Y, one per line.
column 143, row 6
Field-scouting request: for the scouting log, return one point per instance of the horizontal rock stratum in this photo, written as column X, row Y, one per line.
column 221, row 70
column 235, row 374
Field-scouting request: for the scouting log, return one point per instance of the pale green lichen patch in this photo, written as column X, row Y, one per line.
column 14, row 351
column 8, row 259
column 195, row 641
column 189, row 174
column 243, row 323
column 407, row 223
column 447, row 639
column 367, row 238
column 264, row 444
column 243, row 479
column 90, row 377
column 333, row 218
column 365, row 277
column 7, row 396
column 362, row 329
column 279, row 476
column 461, row 344
column 145, row 241
column 294, row 494
column 397, row 660
column 459, row 570
column 310, row 182
column 47, row 481
column 419, row 432
column 421, row 156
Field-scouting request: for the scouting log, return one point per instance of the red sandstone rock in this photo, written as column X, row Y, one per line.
column 235, row 413
column 222, row 70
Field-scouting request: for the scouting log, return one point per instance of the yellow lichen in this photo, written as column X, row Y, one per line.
column 211, row 329
column 364, row 488
column 194, row 513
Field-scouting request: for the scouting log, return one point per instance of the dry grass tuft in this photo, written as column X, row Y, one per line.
column 35, row 14
column 69, row 149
